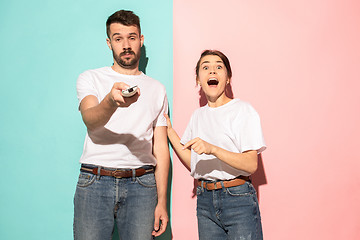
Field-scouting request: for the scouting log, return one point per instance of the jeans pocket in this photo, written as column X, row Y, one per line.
column 85, row 179
column 242, row 190
column 147, row 180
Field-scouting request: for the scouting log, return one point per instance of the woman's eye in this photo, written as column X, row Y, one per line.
column 205, row 68
column 219, row 67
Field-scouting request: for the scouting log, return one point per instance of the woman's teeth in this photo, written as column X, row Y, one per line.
column 212, row 81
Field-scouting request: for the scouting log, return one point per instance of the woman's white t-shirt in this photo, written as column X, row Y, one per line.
column 234, row 126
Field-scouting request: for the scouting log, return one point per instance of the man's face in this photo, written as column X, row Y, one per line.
column 125, row 43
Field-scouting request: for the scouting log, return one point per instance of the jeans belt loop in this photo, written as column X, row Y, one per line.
column 222, row 185
column 98, row 173
column 133, row 174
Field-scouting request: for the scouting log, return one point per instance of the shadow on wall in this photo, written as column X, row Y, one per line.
column 259, row 177
column 143, row 60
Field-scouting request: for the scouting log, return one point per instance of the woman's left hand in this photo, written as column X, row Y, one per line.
column 200, row 146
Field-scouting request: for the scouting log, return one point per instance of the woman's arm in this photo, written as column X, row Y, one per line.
column 183, row 153
column 246, row 161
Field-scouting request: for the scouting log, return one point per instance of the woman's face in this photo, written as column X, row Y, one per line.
column 212, row 76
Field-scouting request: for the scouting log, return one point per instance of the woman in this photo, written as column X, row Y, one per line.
column 221, row 145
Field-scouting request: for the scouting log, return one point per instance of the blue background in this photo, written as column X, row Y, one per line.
column 44, row 46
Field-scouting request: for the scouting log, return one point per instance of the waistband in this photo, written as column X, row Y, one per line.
column 117, row 172
column 223, row 183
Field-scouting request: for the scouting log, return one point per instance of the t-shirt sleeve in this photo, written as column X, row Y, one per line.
column 160, row 121
column 251, row 136
column 85, row 87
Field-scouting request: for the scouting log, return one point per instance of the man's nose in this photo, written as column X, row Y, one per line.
column 126, row 44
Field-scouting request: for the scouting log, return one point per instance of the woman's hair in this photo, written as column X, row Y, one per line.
column 220, row 55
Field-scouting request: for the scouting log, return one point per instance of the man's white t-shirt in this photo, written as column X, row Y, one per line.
column 126, row 140
column 234, row 126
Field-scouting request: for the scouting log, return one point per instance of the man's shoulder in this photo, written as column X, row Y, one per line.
column 152, row 82
column 147, row 77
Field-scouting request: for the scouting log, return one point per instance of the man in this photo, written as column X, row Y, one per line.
column 125, row 161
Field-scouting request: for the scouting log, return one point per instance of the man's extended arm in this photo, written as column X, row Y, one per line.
column 97, row 114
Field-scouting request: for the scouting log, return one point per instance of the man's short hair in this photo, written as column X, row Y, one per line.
column 124, row 17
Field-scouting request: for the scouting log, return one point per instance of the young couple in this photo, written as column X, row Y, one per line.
column 125, row 161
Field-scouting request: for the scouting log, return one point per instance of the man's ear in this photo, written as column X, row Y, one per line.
column 108, row 42
column 141, row 40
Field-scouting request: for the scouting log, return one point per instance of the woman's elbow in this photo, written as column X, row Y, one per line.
column 252, row 162
column 253, row 167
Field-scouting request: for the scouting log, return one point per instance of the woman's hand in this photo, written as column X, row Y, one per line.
column 183, row 153
column 168, row 122
column 200, row 146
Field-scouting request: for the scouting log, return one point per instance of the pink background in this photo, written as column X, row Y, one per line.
column 297, row 63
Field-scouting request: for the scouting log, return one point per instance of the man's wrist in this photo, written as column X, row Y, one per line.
column 162, row 201
column 110, row 101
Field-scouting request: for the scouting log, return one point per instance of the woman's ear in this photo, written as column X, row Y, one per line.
column 198, row 82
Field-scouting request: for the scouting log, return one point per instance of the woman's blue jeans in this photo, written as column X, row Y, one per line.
column 229, row 213
column 100, row 201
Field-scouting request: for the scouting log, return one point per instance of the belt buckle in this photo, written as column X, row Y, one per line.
column 117, row 173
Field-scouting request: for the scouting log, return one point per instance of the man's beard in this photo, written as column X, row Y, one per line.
column 131, row 63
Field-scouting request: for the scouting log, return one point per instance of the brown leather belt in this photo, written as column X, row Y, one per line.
column 118, row 173
column 227, row 183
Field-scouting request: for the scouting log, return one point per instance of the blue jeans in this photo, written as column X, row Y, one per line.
column 100, row 201
column 229, row 213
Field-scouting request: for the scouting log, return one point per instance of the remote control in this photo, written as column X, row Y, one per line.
column 131, row 91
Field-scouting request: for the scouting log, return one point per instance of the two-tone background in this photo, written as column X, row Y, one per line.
column 297, row 62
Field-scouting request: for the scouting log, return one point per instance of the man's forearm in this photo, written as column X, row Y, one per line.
column 162, row 155
column 161, row 176
column 96, row 115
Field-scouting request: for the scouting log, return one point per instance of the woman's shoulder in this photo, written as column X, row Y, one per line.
column 243, row 107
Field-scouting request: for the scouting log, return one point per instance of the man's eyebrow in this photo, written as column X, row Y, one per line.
column 115, row 34
column 131, row 34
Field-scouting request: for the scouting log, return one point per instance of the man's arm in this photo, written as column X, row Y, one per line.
column 97, row 114
column 162, row 155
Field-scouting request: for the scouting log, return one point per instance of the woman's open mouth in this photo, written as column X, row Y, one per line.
column 212, row 82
